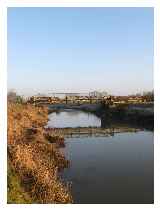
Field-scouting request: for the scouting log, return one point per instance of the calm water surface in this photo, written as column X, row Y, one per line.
column 72, row 118
column 114, row 169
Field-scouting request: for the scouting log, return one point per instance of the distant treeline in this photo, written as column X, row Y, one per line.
column 148, row 95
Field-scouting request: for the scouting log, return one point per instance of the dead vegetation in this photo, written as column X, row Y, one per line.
column 34, row 159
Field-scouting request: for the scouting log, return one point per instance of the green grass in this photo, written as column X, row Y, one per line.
column 15, row 192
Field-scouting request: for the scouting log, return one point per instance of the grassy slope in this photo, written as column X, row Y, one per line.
column 33, row 161
column 15, row 193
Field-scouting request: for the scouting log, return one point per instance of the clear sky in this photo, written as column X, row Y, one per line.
column 80, row 50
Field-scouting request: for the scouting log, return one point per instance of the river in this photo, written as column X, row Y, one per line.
column 106, row 169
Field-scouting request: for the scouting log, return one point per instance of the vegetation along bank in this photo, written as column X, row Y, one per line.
column 34, row 158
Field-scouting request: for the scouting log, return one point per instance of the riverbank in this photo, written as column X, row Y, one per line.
column 141, row 116
column 33, row 160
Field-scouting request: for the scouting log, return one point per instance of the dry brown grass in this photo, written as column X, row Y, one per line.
column 35, row 160
column 53, row 137
column 24, row 117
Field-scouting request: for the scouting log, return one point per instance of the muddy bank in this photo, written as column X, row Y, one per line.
column 34, row 158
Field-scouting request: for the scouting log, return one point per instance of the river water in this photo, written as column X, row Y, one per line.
column 110, row 169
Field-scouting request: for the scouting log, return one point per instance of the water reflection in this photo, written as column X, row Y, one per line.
column 70, row 118
column 115, row 169
column 110, row 169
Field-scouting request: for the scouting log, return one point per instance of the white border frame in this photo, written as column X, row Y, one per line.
column 3, row 90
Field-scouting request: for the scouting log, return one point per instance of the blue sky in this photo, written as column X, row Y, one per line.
column 80, row 50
